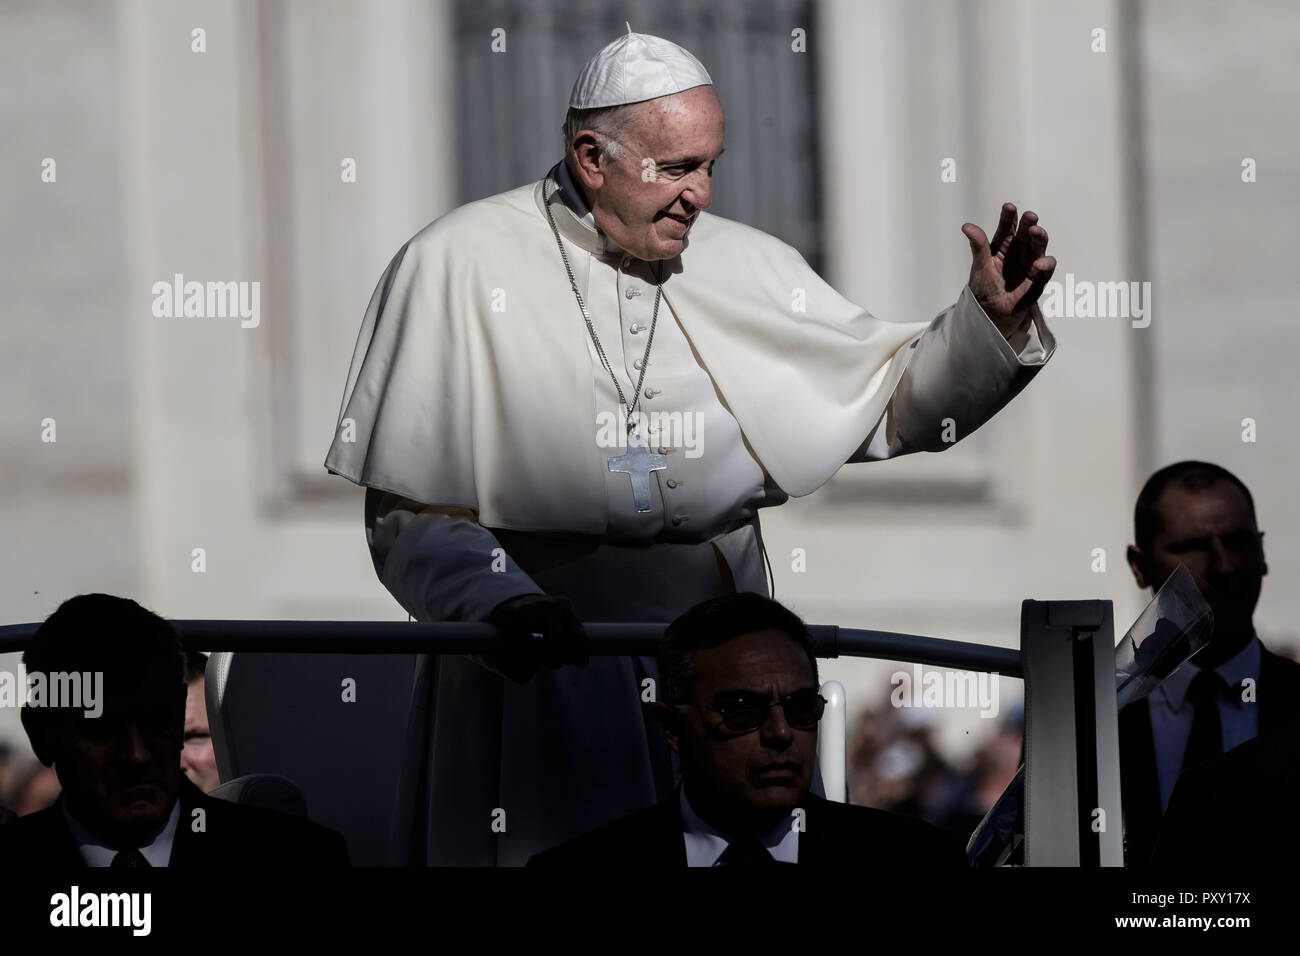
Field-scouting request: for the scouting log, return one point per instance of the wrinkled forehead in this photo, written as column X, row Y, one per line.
column 760, row 660
column 1216, row 508
column 688, row 122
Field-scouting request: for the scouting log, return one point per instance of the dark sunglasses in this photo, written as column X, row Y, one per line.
column 744, row 712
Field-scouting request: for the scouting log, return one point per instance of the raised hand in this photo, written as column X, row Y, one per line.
column 1007, row 274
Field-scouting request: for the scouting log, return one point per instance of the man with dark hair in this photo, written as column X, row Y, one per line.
column 113, row 733
column 1201, row 516
column 715, row 622
column 740, row 706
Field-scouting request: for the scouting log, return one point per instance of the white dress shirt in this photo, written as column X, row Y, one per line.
column 1172, row 713
column 158, row 851
column 704, row 844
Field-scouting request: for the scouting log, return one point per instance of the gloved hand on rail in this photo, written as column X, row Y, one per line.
column 539, row 631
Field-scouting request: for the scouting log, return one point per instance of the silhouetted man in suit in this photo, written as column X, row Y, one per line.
column 1237, row 811
column 116, row 746
column 1203, row 517
column 740, row 705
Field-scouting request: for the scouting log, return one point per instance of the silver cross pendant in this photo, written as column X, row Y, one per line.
column 637, row 464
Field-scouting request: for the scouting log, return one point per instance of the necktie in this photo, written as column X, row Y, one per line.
column 130, row 860
column 1206, row 740
column 744, row 852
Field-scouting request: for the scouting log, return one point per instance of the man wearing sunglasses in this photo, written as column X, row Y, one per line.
column 739, row 706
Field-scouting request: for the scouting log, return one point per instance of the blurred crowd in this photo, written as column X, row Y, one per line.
column 25, row 785
column 895, row 764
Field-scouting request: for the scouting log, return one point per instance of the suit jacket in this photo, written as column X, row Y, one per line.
column 836, row 834
column 1238, row 810
column 235, row 835
column 1278, row 694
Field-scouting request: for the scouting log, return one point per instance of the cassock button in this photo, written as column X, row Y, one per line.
column 636, row 329
column 673, row 482
column 652, row 392
column 680, row 519
column 637, row 365
column 632, row 293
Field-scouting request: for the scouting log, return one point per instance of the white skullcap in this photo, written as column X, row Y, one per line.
column 633, row 68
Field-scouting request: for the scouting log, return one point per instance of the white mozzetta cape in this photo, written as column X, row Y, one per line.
column 471, row 384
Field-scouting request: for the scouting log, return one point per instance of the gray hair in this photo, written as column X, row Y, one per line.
column 611, row 122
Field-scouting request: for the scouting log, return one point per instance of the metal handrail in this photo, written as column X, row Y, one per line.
column 457, row 637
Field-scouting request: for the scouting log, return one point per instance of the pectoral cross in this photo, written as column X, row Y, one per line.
column 637, row 465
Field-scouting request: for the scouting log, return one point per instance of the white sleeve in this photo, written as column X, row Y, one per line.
column 961, row 369
column 440, row 563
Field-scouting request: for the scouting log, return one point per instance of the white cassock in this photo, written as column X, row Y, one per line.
column 473, row 413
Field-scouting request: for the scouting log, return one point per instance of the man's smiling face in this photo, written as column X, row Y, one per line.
column 647, row 199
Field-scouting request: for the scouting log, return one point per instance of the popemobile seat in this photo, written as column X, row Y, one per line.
column 327, row 727
column 266, row 790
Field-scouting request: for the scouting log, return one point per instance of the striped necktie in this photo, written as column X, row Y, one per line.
column 130, row 860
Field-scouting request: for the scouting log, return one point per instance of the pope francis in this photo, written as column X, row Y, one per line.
column 568, row 403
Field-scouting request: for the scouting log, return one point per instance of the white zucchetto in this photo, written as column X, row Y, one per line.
column 633, row 68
